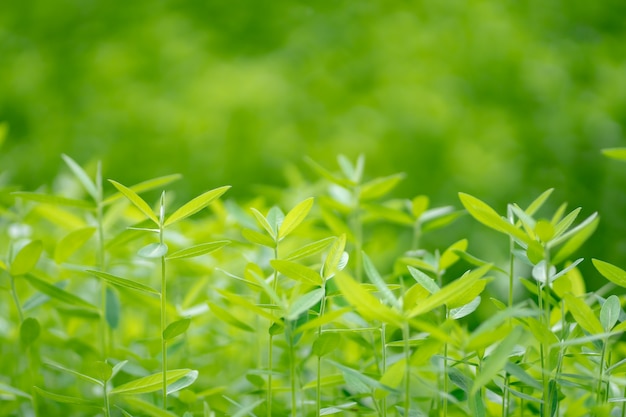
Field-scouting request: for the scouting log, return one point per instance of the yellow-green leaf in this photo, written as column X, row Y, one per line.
column 378, row 187
column 198, row 250
column 145, row 186
column 298, row 272
column 137, row 201
column 149, row 383
column 583, row 314
column 196, row 205
column 53, row 199
column 27, row 258
column 123, row 282
column 611, row 272
column 71, row 242
column 295, row 217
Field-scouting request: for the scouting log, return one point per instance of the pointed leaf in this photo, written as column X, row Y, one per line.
column 71, row 242
column 424, row 280
column 53, row 199
column 148, row 408
column 84, row 377
column 253, row 236
column 304, row 303
column 576, row 241
column 145, row 186
column 262, row 220
column 610, row 312
column 323, row 172
column 378, row 187
column 176, row 328
column 519, row 373
column 583, row 314
column 538, row 203
column 225, row 316
column 182, row 383
column 65, row 399
column 465, row 310
column 123, row 282
column 611, row 272
column 57, row 293
column 153, row 250
column 295, row 217
column 198, row 250
column 196, row 205
column 137, row 201
column 328, row 317
column 310, row 249
column 333, row 258
column 450, row 256
column 581, row 228
column 297, row 271
column 26, row 258
column 378, row 281
column 496, row 361
column 149, row 383
column 82, row 176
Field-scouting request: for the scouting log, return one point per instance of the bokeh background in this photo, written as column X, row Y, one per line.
column 500, row 99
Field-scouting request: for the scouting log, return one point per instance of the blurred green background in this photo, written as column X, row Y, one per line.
column 500, row 99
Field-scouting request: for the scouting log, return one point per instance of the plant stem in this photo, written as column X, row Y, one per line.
column 163, row 321
column 292, row 373
column 599, row 395
column 270, row 347
column 546, row 365
column 318, row 388
column 383, row 342
column 407, row 369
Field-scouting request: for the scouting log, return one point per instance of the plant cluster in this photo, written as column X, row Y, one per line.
column 114, row 304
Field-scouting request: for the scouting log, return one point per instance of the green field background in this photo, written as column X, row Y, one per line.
column 499, row 99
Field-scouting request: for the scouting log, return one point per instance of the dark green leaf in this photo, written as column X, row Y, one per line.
column 29, row 331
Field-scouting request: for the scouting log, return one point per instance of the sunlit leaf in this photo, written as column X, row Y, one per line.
column 378, row 187
column 176, row 328
column 198, row 250
column 227, row 317
column 309, row 249
column 610, row 312
column 424, row 280
column 71, row 242
column 182, row 383
column 295, row 217
column 576, row 241
column 253, row 236
column 297, row 271
column 611, row 272
column 149, row 383
column 378, row 281
column 145, row 186
column 123, row 282
column 77, row 374
column 196, row 205
column 27, row 258
column 450, row 255
column 303, row 303
column 583, row 314
column 82, row 176
column 137, row 201
column 615, row 153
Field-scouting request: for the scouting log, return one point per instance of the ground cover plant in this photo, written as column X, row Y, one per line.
column 121, row 300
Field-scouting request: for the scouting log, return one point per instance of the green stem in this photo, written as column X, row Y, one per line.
column 318, row 388
column 270, row 347
column 292, row 373
column 547, row 368
column 599, row 395
column 407, row 369
column 383, row 342
column 163, row 322
column 107, row 407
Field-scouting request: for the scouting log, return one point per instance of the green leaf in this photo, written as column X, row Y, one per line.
column 148, row 408
column 424, row 280
column 295, row 217
column 378, row 281
column 328, row 317
column 298, row 272
column 136, row 200
column 195, row 205
column 82, row 176
column 57, row 293
column 465, row 310
column 610, row 312
column 303, row 303
column 65, row 399
column 365, row 303
column 450, row 256
column 113, row 308
column 27, row 258
column 581, row 228
column 103, row 371
column 77, row 374
column 583, row 314
column 538, row 202
column 362, row 383
column 53, row 199
column 29, row 331
column 490, row 218
column 145, row 186
column 310, row 249
column 176, row 328
column 378, row 187
column 326, row 343
column 576, row 241
column 149, row 383
column 253, row 236
column 4, row 131
column 324, row 173
column 247, row 305
column 334, row 258
column 225, row 316
column 496, row 361
column 544, row 230
column 262, row 220
column 611, row 272
column 153, row 250
column 12, row 391
column 519, row 373
column 182, row 383
column 198, row 250
column 615, row 153
column 71, row 242
column 419, row 205
column 123, row 282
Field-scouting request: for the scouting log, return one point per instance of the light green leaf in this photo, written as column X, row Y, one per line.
column 253, row 236
column 29, row 331
column 153, row 250
column 328, row 317
column 419, row 205
column 53, row 199
column 148, row 408
column 57, row 293
column 615, row 153
column 519, row 373
column 137, row 201
column 610, row 312
column 71, row 242
column 378, row 187
column 611, row 272
column 303, row 303
column 334, row 257
column 576, row 241
column 489, row 217
column 378, row 281
column 323, row 172
column 298, row 272
column 149, row 383
column 27, row 258
column 4, row 131
column 247, row 305
column 103, row 371
column 225, row 316
column 583, row 314
column 465, row 310
column 182, row 383
column 245, row 410
column 145, row 186
column 123, row 282
column 84, row 377
column 562, row 225
column 588, row 222
column 450, row 256
column 82, row 176
column 310, row 249
column 262, row 220
column 326, row 343
column 12, row 391
column 198, row 250
column 424, row 280
column 496, row 361
column 195, row 205
column 295, row 217
column 365, row 303
column 544, row 230
column 65, row 399
column 176, row 328
column 538, row 202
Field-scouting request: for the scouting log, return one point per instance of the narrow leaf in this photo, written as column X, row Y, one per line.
column 176, row 328
column 158, row 182
column 450, row 255
column 253, row 236
column 611, row 272
column 297, row 271
column 149, row 383
column 262, row 220
column 123, row 282
column 378, row 281
column 65, row 399
column 71, row 242
column 137, row 201
column 538, row 203
column 84, row 377
column 378, row 187
column 583, row 314
column 328, row 317
column 148, row 408
column 57, row 293
column 153, row 250
column 182, row 383
column 29, row 331
column 53, row 199
column 333, row 258
column 198, row 250
column 113, row 308
column 82, row 176
column 424, row 280
column 295, row 217
column 304, row 303
column 196, row 205
column 576, row 241
column 465, row 310
column 26, row 258
column 610, row 312
column 496, row 361
column 225, row 316
column 310, row 249
column 519, row 373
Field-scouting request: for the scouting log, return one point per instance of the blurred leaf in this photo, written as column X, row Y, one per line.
column 196, row 205
column 145, row 186
column 77, row 374
column 324, row 173
column 123, row 282
column 328, row 317
column 334, row 257
column 424, row 280
column 53, row 199
column 153, row 250
column 583, row 314
column 378, row 187
column 136, row 200
column 464, row 310
column 253, row 236
column 182, row 383
column 149, row 383
column 198, row 250
column 227, row 317
column 309, row 249
column 27, row 258
column 449, row 257
column 611, row 272
column 298, row 272
column 610, row 312
column 419, row 205
column 295, row 217
column 29, row 331
column 82, row 176
column 176, row 328
column 325, row 343
column 615, row 153
column 65, row 399
column 576, row 241
column 57, row 293
column 113, row 308
column 538, row 202
column 303, row 303
column 71, row 242
column 262, row 220
column 377, row 280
